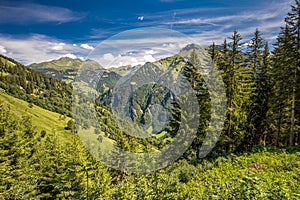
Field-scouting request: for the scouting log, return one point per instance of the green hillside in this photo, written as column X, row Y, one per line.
column 35, row 87
column 41, row 118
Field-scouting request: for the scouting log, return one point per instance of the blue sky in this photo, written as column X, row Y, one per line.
column 39, row 30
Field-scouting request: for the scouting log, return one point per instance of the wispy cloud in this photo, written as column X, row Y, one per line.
column 162, row 19
column 87, row 46
column 268, row 17
column 70, row 55
column 230, row 18
column 100, row 33
column 213, row 24
column 2, row 49
column 138, row 46
column 28, row 13
column 58, row 46
column 39, row 48
column 191, row 11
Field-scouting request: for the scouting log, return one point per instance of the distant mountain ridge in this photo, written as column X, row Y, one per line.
column 64, row 68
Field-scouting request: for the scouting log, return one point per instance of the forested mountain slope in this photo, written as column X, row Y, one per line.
column 34, row 87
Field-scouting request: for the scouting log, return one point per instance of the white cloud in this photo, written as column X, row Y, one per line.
column 2, row 49
column 69, row 55
column 58, row 46
column 86, row 46
column 108, row 56
column 244, row 16
column 39, row 48
column 128, row 60
column 215, row 24
column 151, row 51
column 24, row 13
column 268, row 16
column 138, row 46
column 193, row 21
column 149, row 58
column 134, row 60
column 141, row 18
column 109, row 60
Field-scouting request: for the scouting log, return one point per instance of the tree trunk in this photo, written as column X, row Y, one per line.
column 278, row 127
column 291, row 136
column 298, row 143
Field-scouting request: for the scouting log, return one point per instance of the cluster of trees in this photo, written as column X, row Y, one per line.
column 43, row 166
column 262, row 87
column 35, row 87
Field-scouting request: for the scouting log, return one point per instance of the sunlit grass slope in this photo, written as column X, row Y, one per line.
column 42, row 119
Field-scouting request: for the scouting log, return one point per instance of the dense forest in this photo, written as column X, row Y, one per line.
column 256, row 157
column 262, row 87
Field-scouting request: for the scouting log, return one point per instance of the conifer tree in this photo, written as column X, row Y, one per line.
column 293, row 22
column 259, row 62
column 282, row 86
column 17, row 138
column 234, row 72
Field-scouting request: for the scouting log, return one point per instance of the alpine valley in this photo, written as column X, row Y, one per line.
column 44, row 106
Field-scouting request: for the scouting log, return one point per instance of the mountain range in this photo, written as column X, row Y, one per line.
column 147, row 80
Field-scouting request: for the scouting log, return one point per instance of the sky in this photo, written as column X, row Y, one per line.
column 40, row 30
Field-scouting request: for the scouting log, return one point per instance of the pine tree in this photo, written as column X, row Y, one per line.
column 234, row 73
column 283, row 83
column 17, row 138
column 259, row 62
column 293, row 22
column 193, row 73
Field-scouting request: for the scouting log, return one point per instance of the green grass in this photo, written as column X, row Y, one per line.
column 261, row 175
column 42, row 119
column 276, row 176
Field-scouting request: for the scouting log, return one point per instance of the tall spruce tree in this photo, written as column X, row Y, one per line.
column 293, row 22
column 283, row 84
column 286, row 63
column 258, row 61
column 235, row 73
column 17, row 137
